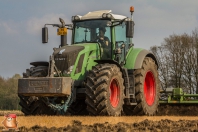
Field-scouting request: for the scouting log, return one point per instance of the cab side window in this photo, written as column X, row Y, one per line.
column 120, row 38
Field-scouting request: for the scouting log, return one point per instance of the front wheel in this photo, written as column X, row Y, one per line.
column 32, row 105
column 104, row 90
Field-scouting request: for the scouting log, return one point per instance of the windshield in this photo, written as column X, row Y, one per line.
column 88, row 31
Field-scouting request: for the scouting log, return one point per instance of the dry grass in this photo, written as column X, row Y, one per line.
column 17, row 112
column 62, row 121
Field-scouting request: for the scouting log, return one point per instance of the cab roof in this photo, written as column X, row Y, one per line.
column 98, row 15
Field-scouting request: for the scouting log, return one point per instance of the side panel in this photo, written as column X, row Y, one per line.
column 136, row 56
column 90, row 53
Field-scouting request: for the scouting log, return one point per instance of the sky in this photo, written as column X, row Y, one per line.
column 21, row 22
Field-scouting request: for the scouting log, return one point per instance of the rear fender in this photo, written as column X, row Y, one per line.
column 135, row 57
column 109, row 61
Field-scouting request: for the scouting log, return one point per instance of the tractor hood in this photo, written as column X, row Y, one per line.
column 66, row 56
column 75, row 60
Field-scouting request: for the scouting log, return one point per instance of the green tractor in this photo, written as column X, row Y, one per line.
column 100, row 73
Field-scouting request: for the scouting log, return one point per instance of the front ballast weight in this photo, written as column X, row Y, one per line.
column 49, row 89
column 177, row 96
column 46, row 86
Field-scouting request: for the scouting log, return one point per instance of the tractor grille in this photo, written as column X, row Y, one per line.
column 66, row 58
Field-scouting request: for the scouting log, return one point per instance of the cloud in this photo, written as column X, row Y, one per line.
column 34, row 24
column 166, row 20
column 8, row 27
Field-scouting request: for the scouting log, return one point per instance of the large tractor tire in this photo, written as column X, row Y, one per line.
column 78, row 108
column 32, row 105
column 147, row 88
column 104, row 90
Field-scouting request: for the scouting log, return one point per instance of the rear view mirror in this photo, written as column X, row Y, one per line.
column 129, row 28
column 45, row 35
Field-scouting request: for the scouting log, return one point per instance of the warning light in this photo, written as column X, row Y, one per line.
column 131, row 9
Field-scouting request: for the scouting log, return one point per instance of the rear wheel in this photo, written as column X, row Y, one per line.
column 104, row 90
column 147, row 88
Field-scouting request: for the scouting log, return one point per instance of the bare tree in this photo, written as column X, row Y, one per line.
column 162, row 56
column 195, row 66
column 178, row 61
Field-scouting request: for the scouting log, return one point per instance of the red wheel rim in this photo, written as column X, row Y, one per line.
column 114, row 93
column 149, row 88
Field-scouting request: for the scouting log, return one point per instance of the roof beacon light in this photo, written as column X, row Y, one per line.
column 132, row 10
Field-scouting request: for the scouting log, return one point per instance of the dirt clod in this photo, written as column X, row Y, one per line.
column 178, row 110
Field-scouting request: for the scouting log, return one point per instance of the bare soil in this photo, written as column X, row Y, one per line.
column 178, row 110
column 146, row 125
column 169, row 118
column 105, row 124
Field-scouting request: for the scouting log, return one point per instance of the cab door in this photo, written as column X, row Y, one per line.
column 121, row 43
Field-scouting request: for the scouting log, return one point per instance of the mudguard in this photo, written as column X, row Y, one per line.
column 40, row 63
column 136, row 56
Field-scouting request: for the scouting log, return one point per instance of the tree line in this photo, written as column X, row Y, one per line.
column 8, row 93
column 178, row 59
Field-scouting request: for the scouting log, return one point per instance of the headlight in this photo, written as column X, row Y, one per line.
column 107, row 15
column 69, row 70
column 55, row 73
column 104, row 15
column 76, row 18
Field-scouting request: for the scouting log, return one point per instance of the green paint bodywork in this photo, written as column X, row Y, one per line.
column 91, row 52
column 131, row 57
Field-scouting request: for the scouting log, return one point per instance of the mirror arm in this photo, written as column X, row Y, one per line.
column 54, row 25
column 120, row 22
column 59, row 25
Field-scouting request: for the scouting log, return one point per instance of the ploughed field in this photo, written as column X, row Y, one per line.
column 103, row 123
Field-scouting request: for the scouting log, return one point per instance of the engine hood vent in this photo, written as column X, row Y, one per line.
column 66, row 56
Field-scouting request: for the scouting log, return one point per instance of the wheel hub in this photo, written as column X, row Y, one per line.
column 114, row 92
column 149, row 88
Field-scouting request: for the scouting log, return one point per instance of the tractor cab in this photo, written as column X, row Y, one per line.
column 109, row 30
